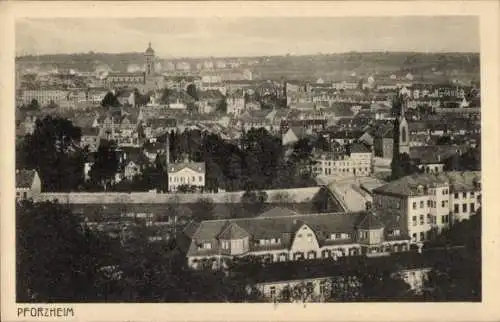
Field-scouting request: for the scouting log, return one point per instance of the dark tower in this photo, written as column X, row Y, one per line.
column 404, row 140
column 149, row 54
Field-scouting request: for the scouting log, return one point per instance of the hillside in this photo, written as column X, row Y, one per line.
column 327, row 66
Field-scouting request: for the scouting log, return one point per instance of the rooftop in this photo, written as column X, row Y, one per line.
column 414, row 185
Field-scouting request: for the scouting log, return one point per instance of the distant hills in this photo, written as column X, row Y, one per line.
column 290, row 66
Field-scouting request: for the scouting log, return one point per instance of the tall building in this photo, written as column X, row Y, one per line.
column 401, row 134
column 428, row 203
column 149, row 54
column 143, row 81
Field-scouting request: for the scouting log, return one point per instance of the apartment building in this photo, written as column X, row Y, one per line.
column 43, row 96
column 357, row 161
column 429, row 203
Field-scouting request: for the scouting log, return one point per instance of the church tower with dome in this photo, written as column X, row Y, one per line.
column 152, row 81
column 149, row 54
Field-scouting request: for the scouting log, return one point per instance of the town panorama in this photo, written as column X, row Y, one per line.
column 321, row 178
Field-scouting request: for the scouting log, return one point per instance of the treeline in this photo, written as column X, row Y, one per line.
column 256, row 161
column 59, row 259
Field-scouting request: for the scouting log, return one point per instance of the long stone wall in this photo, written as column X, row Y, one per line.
column 291, row 195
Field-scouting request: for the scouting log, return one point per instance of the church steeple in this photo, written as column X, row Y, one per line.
column 150, row 60
column 403, row 143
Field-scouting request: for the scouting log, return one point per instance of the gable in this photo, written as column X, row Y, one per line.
column 304, row 240
column 186, row 171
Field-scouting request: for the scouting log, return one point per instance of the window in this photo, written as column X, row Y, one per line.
column 414, row 205
column 422, row 219
column 472, row 194
column 414, row 219
column 207, row 246
column 421, row 204
column 464, row 194
column 414, row 237
column 464, row 207
column 429, row 203
column 442, row 204
column 338, row 236
column 429, row 218
column 456, row 195
column 299, row 236
column 25, row 195
column 201, row 178
column 193, row 179
column 225, row 244
column 422, row 236
column 395, row 232
column 272, row 291
column 309, row 238
column 457, row 208
column 472, row 207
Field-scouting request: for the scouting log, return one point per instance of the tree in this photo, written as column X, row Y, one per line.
column 110, row 100
column 402, row 166
column 33, row 105
column 165, row 95
column 58, row 258
column 321, row 143
column 106, row 164
column 53, row 150
column 192, row 91
column 457, row 276
column 254, row 201
column 203, row 209
column 221, row 106
column 52, row 105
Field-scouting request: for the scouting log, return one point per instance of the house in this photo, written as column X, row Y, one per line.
column 186, row 174
column 126, row 97
column 235, row 103
column 293, row 135
column 255, row 120
column 91, row 138
column 383, row 140
column 346, row 136
column 28, row 184
column 153, row 149
column 317, row 281
column 430, row 202
column 432, row 158
column 132, row 162
column 288, row 237
column 158, row 126
column 356, row 161
column 209, row 101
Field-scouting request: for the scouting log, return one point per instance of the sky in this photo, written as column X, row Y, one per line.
column 219, row 37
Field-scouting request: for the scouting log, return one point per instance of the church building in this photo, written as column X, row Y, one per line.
column 145, row 81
